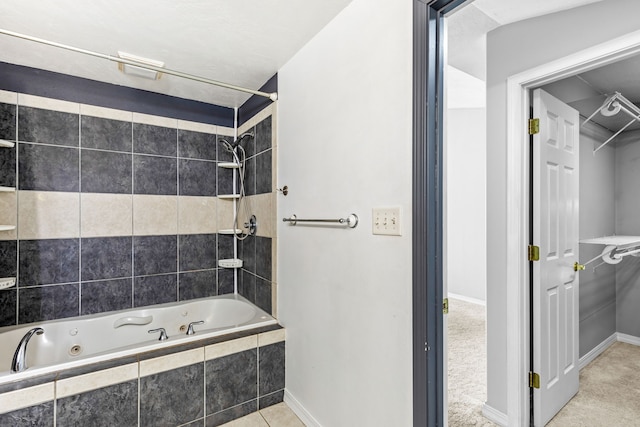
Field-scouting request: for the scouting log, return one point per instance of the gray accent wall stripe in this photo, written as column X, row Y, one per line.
column 33, row 81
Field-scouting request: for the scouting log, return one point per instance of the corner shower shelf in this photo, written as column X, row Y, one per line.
column 230, row 231
column 230, row 263
column 7, row 227
column 7, row 189
column 7, row 282
column 6, row 144
column 228, row 196
column 228, row 165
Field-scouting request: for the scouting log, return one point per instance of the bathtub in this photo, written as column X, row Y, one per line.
column 85, row 340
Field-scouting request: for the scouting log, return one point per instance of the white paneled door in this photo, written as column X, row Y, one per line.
column 555, row 231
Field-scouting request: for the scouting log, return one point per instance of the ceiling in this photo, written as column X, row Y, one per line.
column 587, row 91
column 242, row 42
column 468, row 27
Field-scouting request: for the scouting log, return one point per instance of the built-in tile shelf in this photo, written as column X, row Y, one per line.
column 230, row 231
column 230, row 263
column 7, row 189
column 228, row 196
column 228, row 165
column 7, row 282
column 6, row 144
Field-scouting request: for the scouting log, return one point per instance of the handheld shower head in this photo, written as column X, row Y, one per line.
column 228, row 146
column 231, row 146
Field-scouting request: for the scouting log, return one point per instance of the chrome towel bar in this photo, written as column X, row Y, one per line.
column 351, row 221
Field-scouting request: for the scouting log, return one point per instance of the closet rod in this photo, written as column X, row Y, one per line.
column 273, row 96
column 612, row 106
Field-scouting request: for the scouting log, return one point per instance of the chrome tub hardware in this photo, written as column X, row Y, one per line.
column 252, row 225
column 19, row 362
column 163, row 334
column 190, row 330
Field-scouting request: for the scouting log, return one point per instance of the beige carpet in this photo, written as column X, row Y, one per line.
column 467, row 364
column 609, row 386
column 609, row 391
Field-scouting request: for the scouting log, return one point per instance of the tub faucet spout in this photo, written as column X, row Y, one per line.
column 19, row 362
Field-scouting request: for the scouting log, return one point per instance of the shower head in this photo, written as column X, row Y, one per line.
column 231, row 146
column 243, row 136
column 228, row 146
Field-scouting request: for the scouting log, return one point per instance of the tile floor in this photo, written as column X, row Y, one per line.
column 279, row 415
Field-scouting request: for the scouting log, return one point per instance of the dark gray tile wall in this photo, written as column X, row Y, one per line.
column 115, row 405
column 69, row 277
column 231, row 380
column 8, row 119
column 207, row 393
column 34, row 416
column 255, row 281
column 173, row 397
column 59, row 151
column 259, row 152
column 67, row 152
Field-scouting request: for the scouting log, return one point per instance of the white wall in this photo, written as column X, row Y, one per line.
column 464, row 193
column 628, row 223
column 597, row 291
column 344, row 145
column 547, row 38
column 465, row 172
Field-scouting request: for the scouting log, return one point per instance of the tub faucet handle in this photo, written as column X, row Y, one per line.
column 190, row 330
column 163, row 333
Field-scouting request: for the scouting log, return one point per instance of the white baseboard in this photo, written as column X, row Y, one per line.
column 629, row 339
column 494, row 415
column 467, row 299
column 300, row 410
column 598, row 350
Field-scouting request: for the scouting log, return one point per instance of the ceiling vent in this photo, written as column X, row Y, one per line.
column 144, row 70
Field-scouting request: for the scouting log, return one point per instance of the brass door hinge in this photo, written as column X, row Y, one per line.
column 533, row 253
column 534, row 380
column 534, row 126
column 445, row 306
column 578, row 267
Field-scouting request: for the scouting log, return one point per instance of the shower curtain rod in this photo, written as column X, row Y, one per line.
column 273, row 96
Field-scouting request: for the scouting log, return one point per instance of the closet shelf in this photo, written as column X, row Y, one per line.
column 7, row 282
column 6, row 144
column 7, row 227
column 228, row 165
column 228, row 196
column 230, row 231
column 615, row 249
column 613, row 240
column 7, row 189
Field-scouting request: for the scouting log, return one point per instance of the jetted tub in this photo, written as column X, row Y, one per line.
column 80, row 341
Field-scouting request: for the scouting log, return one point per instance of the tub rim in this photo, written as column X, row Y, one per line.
column 140, row 352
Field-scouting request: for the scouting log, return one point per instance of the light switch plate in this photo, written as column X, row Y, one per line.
column 386, row 221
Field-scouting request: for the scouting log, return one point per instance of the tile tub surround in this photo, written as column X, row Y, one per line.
column 208, row 385
column 114, row 209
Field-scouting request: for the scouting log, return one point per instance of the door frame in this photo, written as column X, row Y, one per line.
column 518, row 193
column 427, row 197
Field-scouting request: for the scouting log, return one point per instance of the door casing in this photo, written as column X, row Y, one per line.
column 518, row 192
